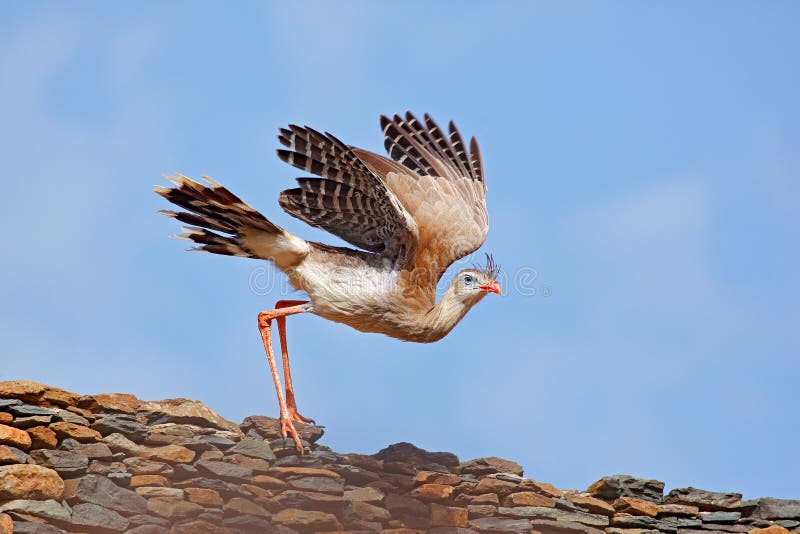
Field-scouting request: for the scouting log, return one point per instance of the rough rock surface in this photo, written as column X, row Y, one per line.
column 112, row 463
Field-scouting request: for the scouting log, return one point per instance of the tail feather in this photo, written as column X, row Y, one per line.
column 213, row 211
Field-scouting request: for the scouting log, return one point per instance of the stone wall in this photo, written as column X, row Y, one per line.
column 113, row 463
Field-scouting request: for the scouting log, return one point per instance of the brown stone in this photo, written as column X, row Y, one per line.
column 42, row 438
column 305, row 520
column 14, row 437
column 773, row 529
column 544, row 488
column 593, row 504
column 6, row 524
column 203, row 496
column 238, row 505
column 110, row 402
column 5, row 418
column 25, row 481
column 168, row 453
column 260, row 493
column 200, row 526
column 270, row 428
column 7, row 457
column 187, row 411
column 149, row 480
column 159, row 491
column 80, row 433
column 489, row 465
column 258, row 465
column 433, row 492
column 448, row 516
column 289, row 472
column 266, row 481
column 634, row 506
column 172, row 508
column 70, row 488
column 370, row 495
column 36, row 393
column 486, row 498
column 494, row 485
column 370, row 512
column 434, row 477
column 678, row 510
column 528, row 498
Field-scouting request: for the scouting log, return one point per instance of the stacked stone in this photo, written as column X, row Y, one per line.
column 112, row 463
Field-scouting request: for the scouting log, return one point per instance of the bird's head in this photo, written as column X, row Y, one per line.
column 471, row 285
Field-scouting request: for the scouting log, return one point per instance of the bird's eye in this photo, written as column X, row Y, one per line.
column 468, row 279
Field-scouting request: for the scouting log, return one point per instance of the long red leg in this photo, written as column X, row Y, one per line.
column 291, row 404
column 264, row 323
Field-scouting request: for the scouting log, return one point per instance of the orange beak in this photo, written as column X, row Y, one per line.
column 492, row 287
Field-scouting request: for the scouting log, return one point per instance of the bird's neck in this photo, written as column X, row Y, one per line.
column 446, row 314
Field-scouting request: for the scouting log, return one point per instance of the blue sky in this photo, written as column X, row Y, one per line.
column 643, row 173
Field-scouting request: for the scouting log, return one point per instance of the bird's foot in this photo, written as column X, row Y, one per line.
column 287, row 428
column 295, row 416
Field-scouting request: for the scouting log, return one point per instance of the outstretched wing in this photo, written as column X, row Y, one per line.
column 350, row 200
column 442, row 188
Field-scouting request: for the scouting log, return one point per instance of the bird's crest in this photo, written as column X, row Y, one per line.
column 492, row 269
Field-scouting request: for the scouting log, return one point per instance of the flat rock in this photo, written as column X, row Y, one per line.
column 254, row 448
column 81, row 433
column 720, row 517
column 529, row 498
column 28, row 410
column 368, row 494
column 67, row 463
column 548, row 526
column 500, row 524
column 241, row 506
column 186, row 411
column 306, row 520
column 36, row 393
column 32, row 420
column 25, row 527
column 110, row 402
column 634, row 506
column 490, row 464
column 92, row 515
column 199, row 526
column 770, row 508
column 333, row 486
column 102, row 491
column 119, row 443
column 140, row 466
column 592, row 504
column 168, row 453
column 127, row 425
column 613, row 487
column 555, row 514
column 407, row 453
column 203, row 496
column 50, row 509
column 306, row 500
column 29, row 482
column 224, row 470
column 171, row 508
column 71, row 417
column 270, row 428
column 709, row 501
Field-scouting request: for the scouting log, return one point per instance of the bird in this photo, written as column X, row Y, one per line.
column 409, row 216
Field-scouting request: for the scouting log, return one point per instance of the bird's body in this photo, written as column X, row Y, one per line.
column 411, row 216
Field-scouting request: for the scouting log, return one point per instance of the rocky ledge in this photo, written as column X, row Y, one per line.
column 114, row 463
